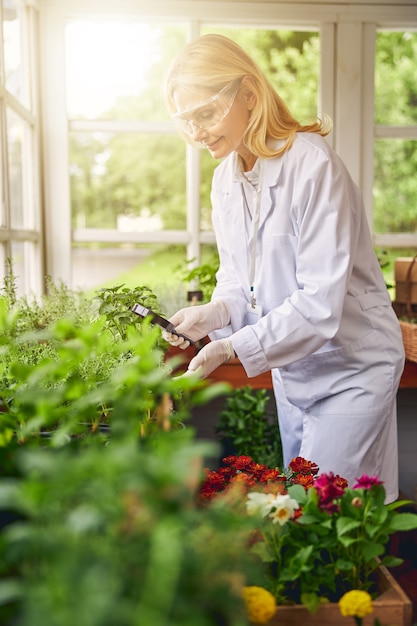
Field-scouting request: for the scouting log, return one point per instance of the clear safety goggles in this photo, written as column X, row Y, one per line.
column 207, row 113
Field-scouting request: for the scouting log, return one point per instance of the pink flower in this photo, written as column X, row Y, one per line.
column 366, row 482
column 329, row 488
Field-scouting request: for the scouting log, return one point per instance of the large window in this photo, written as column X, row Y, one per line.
column 132, row 179
column 395, row 150
column 92, row 171
column 20, row 218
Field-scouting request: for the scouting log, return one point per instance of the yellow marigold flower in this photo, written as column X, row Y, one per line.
column 355, row 603
column 260, row 604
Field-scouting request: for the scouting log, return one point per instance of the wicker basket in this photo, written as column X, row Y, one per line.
column 405, row 312
column 409, row 333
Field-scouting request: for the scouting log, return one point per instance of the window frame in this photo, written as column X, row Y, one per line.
column 30, row 234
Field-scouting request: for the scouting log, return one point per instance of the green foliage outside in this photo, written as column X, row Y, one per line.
column 395, row 189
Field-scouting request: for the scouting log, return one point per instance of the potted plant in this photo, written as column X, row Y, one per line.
column 246, row 427
column 318, row 538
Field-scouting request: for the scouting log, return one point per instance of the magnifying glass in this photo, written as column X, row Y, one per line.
column 155, row 318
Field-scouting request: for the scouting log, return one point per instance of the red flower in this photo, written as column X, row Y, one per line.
column 238, row 462
column 297, row 513
column 215, row 479
column 341, row 482
column 306, row 480
column 302, row 466
column 329, row 489
column 246, row 479
column 269, row 475
column 243, row 471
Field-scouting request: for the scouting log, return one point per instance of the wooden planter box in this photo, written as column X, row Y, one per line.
column 392, row 607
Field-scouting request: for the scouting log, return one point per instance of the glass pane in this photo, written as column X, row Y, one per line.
column 20, row 170
column 23, row 259
column 19, row 267
column 15, row 134
column 3, row 267
column 395, row 78
column 154, row 266
column 115, row 69
column 3, row 219
column 131, row 182
column 395, row 186
column 15, row 61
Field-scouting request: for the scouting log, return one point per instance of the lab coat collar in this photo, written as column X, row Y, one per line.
column 227, row 181
column 229, row 172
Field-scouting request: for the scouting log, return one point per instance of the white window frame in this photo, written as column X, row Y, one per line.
column 30, row 235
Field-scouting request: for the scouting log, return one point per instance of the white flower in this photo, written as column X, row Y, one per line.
column 260, row 503
column 283, row 508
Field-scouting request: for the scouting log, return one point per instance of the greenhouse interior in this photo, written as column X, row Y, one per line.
column 117, row 431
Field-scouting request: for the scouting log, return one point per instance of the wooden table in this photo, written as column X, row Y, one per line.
column 409, row 377
column 234, row 374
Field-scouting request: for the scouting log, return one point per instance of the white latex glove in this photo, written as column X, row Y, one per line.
column 197, row 322
column 211, row 357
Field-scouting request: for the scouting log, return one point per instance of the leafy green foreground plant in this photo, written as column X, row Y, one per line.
column 246, row 428
column 104, row 529
column 107, row 531
column 112, row 535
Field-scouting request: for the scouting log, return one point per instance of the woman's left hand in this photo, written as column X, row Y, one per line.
column 211, row 357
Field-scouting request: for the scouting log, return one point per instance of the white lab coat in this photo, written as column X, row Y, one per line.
column 327, row 331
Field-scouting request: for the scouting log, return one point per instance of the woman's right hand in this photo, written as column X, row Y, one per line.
column 197, row 322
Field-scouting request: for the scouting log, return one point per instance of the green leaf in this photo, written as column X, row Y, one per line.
column 391, row 561
column 345, row 564
column 311, row 601
column 5, row 437
column 10, row 590
column 297, row 492
column 348, row 541
column 403, row 521
column 345, row 525
column 370, row 550
column 262, row 551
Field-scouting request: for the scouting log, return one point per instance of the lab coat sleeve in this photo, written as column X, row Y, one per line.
column 327, row 210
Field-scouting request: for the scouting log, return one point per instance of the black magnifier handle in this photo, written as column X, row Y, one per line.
column 155, row 318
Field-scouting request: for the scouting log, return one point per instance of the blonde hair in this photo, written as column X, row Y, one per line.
column 212, row 62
